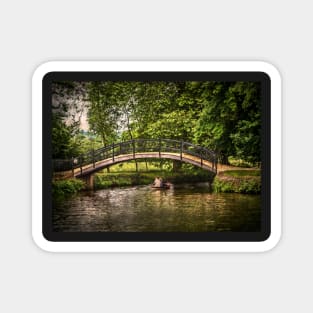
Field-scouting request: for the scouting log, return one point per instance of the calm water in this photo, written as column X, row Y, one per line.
column 136, row 209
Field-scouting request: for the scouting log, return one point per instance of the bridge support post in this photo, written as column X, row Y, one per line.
column 113, row 151
column 72, row 160
column 159, row 148
column 81, row 165
column 89, row 181
column 181, row 150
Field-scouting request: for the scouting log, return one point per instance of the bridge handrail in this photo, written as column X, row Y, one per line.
column 134, row 146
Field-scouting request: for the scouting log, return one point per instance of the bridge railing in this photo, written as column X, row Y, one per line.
column 137, row 146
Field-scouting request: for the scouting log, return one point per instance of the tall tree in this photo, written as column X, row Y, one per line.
column 103, row 113
column 231, row 111
column 61, row 137
column 223, row 116
column 246, row 137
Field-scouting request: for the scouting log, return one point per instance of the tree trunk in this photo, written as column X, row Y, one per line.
column 224, row 159
column 176, row 166
column 103, row 139
column 130, row 135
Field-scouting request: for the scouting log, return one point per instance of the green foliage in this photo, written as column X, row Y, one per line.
column 222, row 186
column 66, row 145
column 250, row 186
column 61, row 137
column 230, row 120
column 127, row 176
column 240, row 173
column 63, row 188
column 241, row 163
column 174, row 125
column 236, row 181
column 83, row 143
column 103, row 112
column 223, row 116
column 107, row 181
column 131, row 166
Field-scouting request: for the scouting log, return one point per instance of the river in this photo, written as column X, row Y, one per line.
column 183, row 208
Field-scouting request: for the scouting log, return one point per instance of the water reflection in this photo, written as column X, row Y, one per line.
column 136, row 209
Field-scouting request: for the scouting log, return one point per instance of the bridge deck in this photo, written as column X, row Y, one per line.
column 91, row 168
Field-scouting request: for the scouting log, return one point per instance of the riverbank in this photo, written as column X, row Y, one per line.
column 245, row 181
column 238, row 181
column 66, row 187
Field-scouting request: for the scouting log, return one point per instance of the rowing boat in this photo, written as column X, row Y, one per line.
column 164, row 186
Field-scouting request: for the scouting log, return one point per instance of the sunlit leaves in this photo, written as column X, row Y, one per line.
column 224, row 116
column 103, row 112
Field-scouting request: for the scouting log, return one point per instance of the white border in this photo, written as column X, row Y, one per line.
column 156, row 246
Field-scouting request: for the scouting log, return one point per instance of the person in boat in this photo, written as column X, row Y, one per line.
column 158, row 182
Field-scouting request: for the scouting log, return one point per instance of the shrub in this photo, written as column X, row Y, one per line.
column 247, row 185
column 62, row 188
column 113, row 179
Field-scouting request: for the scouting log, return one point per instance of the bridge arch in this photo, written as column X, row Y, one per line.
column 96, row 160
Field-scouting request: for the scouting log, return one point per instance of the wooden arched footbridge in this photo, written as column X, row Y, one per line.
column 85, row 165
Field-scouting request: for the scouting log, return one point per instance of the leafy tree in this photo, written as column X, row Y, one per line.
column 61, row 136
column 223, row 116
column 103, row 113
column 246, row 136
column 230, row 119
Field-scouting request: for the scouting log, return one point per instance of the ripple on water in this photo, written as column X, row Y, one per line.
column 137, row 209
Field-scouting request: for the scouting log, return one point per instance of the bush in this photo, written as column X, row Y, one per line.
column 247, row 185
column 113, row 179
column 62, row 188
column 250, row 186
column 107, row 181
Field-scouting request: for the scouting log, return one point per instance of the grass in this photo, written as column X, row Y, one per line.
column 241, row 173
column 238, row 181
column 239, row 162
column 126, row 175
column 142, row 166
